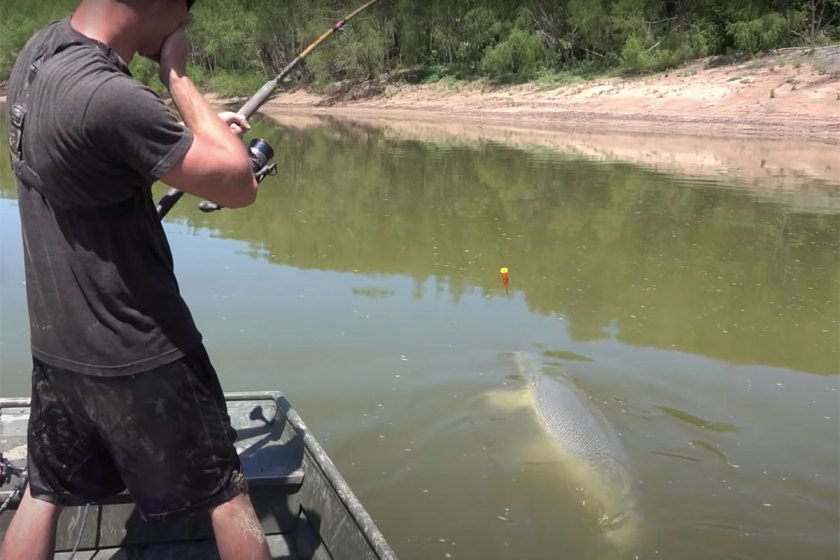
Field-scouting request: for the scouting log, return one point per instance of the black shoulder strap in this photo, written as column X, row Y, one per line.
column 17, row 121
column 18, row 110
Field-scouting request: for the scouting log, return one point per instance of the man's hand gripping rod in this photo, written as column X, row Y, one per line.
column 259, row 150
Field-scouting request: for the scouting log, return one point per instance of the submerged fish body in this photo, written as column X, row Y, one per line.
column 590, row 445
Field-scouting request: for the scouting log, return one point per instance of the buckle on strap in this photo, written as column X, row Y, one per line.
column 17, row 114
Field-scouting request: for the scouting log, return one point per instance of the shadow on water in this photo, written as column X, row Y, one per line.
column 697, row 421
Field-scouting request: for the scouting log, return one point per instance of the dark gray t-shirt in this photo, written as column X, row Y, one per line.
column 103, row 298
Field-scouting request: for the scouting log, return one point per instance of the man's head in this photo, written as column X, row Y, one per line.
column 131, row 26
column 159, row 19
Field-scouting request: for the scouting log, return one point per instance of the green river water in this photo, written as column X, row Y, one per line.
column 699, row 313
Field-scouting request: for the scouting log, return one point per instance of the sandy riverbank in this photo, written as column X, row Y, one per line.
column 793, row 94
column 704, row 121
column 770, row 121
column 779, row 164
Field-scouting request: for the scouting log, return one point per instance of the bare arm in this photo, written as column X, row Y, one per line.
column 216, row 166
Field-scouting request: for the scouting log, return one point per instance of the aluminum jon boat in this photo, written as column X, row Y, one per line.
column 307, row 509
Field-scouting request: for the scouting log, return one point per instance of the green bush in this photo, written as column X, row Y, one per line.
column 358, row 54
column 146, row 72
column 235, row 42
column 223, row 36
column 233, row 84
column 482, row 29
column 519, row 55
column 758, row 35
column 639, row 55
column 19, row 21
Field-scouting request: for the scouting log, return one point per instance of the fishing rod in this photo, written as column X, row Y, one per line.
column 259, row 150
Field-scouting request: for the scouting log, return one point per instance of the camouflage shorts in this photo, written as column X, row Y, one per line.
column 165, row 435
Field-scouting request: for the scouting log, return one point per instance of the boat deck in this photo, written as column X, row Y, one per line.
column 306, row 509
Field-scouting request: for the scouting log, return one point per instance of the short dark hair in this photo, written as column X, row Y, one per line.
column 190, row 4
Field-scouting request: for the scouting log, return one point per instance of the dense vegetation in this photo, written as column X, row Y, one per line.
column 238, row 43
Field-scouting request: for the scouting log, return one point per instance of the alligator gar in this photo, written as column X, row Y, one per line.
column 590, row 448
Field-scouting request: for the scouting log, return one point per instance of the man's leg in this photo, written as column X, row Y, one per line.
column 169, row 433
column 239, row 535
column 31, row 535
column 66, row 464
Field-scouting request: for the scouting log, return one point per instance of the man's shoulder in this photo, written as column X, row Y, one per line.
column 41, row 40
column 41, row 36
column 80, row 65
column 29, row 52
column 82, row 70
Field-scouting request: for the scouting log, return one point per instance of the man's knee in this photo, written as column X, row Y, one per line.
column 31, row 534
column 39, row 506
column 238, row 507
column 238, row 529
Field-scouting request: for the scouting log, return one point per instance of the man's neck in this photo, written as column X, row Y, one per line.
column 107, row 22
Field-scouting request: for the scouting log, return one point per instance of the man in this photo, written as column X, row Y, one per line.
column 123, row 393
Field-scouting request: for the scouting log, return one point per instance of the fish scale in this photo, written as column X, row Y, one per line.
column 573, row 420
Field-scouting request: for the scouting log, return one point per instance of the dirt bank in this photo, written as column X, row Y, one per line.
column 791, row 94
column 770, row 121
column 780, row 164
column 794, row 93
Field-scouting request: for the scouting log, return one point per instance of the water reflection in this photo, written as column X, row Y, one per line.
column 614, row 249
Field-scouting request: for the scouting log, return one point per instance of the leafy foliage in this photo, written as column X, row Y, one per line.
column 237, row 43
column 520, row 54
column 19, row 21
column 760, row 34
